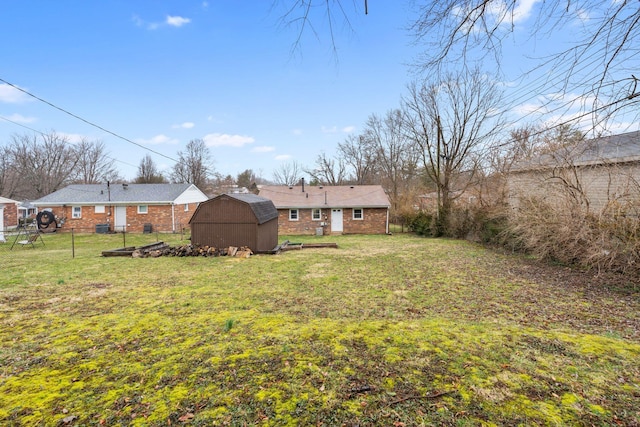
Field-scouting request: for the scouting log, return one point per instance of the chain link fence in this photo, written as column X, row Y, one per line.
column 20, row 241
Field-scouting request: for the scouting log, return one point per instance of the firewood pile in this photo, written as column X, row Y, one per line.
column 192, row 250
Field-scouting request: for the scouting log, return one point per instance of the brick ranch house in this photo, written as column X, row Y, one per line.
column 118, row 207
column 8, row 215
column 597, row 174
column 347, row 209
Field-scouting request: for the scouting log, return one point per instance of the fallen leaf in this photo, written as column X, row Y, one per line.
column 186, row 417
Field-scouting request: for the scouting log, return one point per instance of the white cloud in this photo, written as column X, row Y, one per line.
column 263, row 149
column 172, row 21
column 73, row 138
column 185, row 125
column 523, row 10
column 283, row 157
column 334, row 129
column 297, row 132
column 157, row 140
column 177, row 21
column 496, row 13
column 19, row 118
column 226, row 140
column 11, row 95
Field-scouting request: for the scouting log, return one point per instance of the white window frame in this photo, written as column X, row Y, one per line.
column 294, row 216
column 76, row 212
column 313, row 214
column 186, row 207
column 355, row 218
column 100, row 209
column 143, row 209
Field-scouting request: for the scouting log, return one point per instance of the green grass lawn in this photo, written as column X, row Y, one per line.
column 385, row 330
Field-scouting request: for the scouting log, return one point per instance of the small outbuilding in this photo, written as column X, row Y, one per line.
column 236, row 220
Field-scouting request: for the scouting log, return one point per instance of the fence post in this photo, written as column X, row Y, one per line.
column 73, row 244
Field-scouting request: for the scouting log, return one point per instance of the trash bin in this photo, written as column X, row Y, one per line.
column 102, row 228
column 147, row 228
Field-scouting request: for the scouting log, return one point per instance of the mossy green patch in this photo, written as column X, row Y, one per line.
column 367, row 334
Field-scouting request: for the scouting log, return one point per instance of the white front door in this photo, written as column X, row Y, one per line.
column 2, row 224
column 336, row 220
column 120, row 222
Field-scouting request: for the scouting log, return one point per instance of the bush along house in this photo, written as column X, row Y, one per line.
column 319, row 210
column 119, row 207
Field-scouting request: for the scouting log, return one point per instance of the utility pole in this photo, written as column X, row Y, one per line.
column 438, row 168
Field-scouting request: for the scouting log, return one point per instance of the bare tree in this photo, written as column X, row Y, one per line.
column 195, row 165
column 9, row 179
column 395, row 154
column 148, row 172
column 451, row 122
column 93, row 163
column 288, row 173
column 597, row 64
column 328, row 171
column 357, row 154
column 43, row 164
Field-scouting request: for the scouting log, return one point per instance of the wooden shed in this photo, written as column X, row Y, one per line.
column 236, row 220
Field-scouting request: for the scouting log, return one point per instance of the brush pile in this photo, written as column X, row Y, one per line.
column 194, row 251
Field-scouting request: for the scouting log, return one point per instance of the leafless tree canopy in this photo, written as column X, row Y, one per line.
column 42, row 164
column 94, row 165
column 328, row 171
column 598, row 64
column 148, row 172
column 288, row 173
column 451, row 123
column 195, row 165
column 395, row 154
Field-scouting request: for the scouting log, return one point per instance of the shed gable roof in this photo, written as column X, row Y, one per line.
column 323, row 196
column 263, row 208
column 95, row 194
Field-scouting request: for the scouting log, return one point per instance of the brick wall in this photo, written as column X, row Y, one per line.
column 10, row 215
column 159, row 216
column 374, row 222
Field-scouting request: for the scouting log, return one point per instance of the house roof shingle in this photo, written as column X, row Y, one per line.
column 620, row 148
column 340, row 196
column 91, row 194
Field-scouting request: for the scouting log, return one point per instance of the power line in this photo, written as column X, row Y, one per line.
column 43, row 134
column 87, row 121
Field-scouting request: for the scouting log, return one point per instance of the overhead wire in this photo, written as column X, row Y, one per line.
column 87, row 121
column 44, row 134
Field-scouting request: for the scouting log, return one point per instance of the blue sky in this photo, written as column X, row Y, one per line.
column 161, row 73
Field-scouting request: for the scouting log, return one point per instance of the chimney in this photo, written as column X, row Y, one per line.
column 302, row 179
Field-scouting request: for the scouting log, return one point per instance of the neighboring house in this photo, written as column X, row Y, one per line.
column 8, row 215
column 27, row 210
column 355, row 209
column 236, row 220
column 118, row 207
column 595, row 174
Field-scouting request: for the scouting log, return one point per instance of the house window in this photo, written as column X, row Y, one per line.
column 143, row 209
column 293, row 214
column 316, row 214
column 358, row 214
column 100, row 209
column 76, row 212
column 186, row 207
